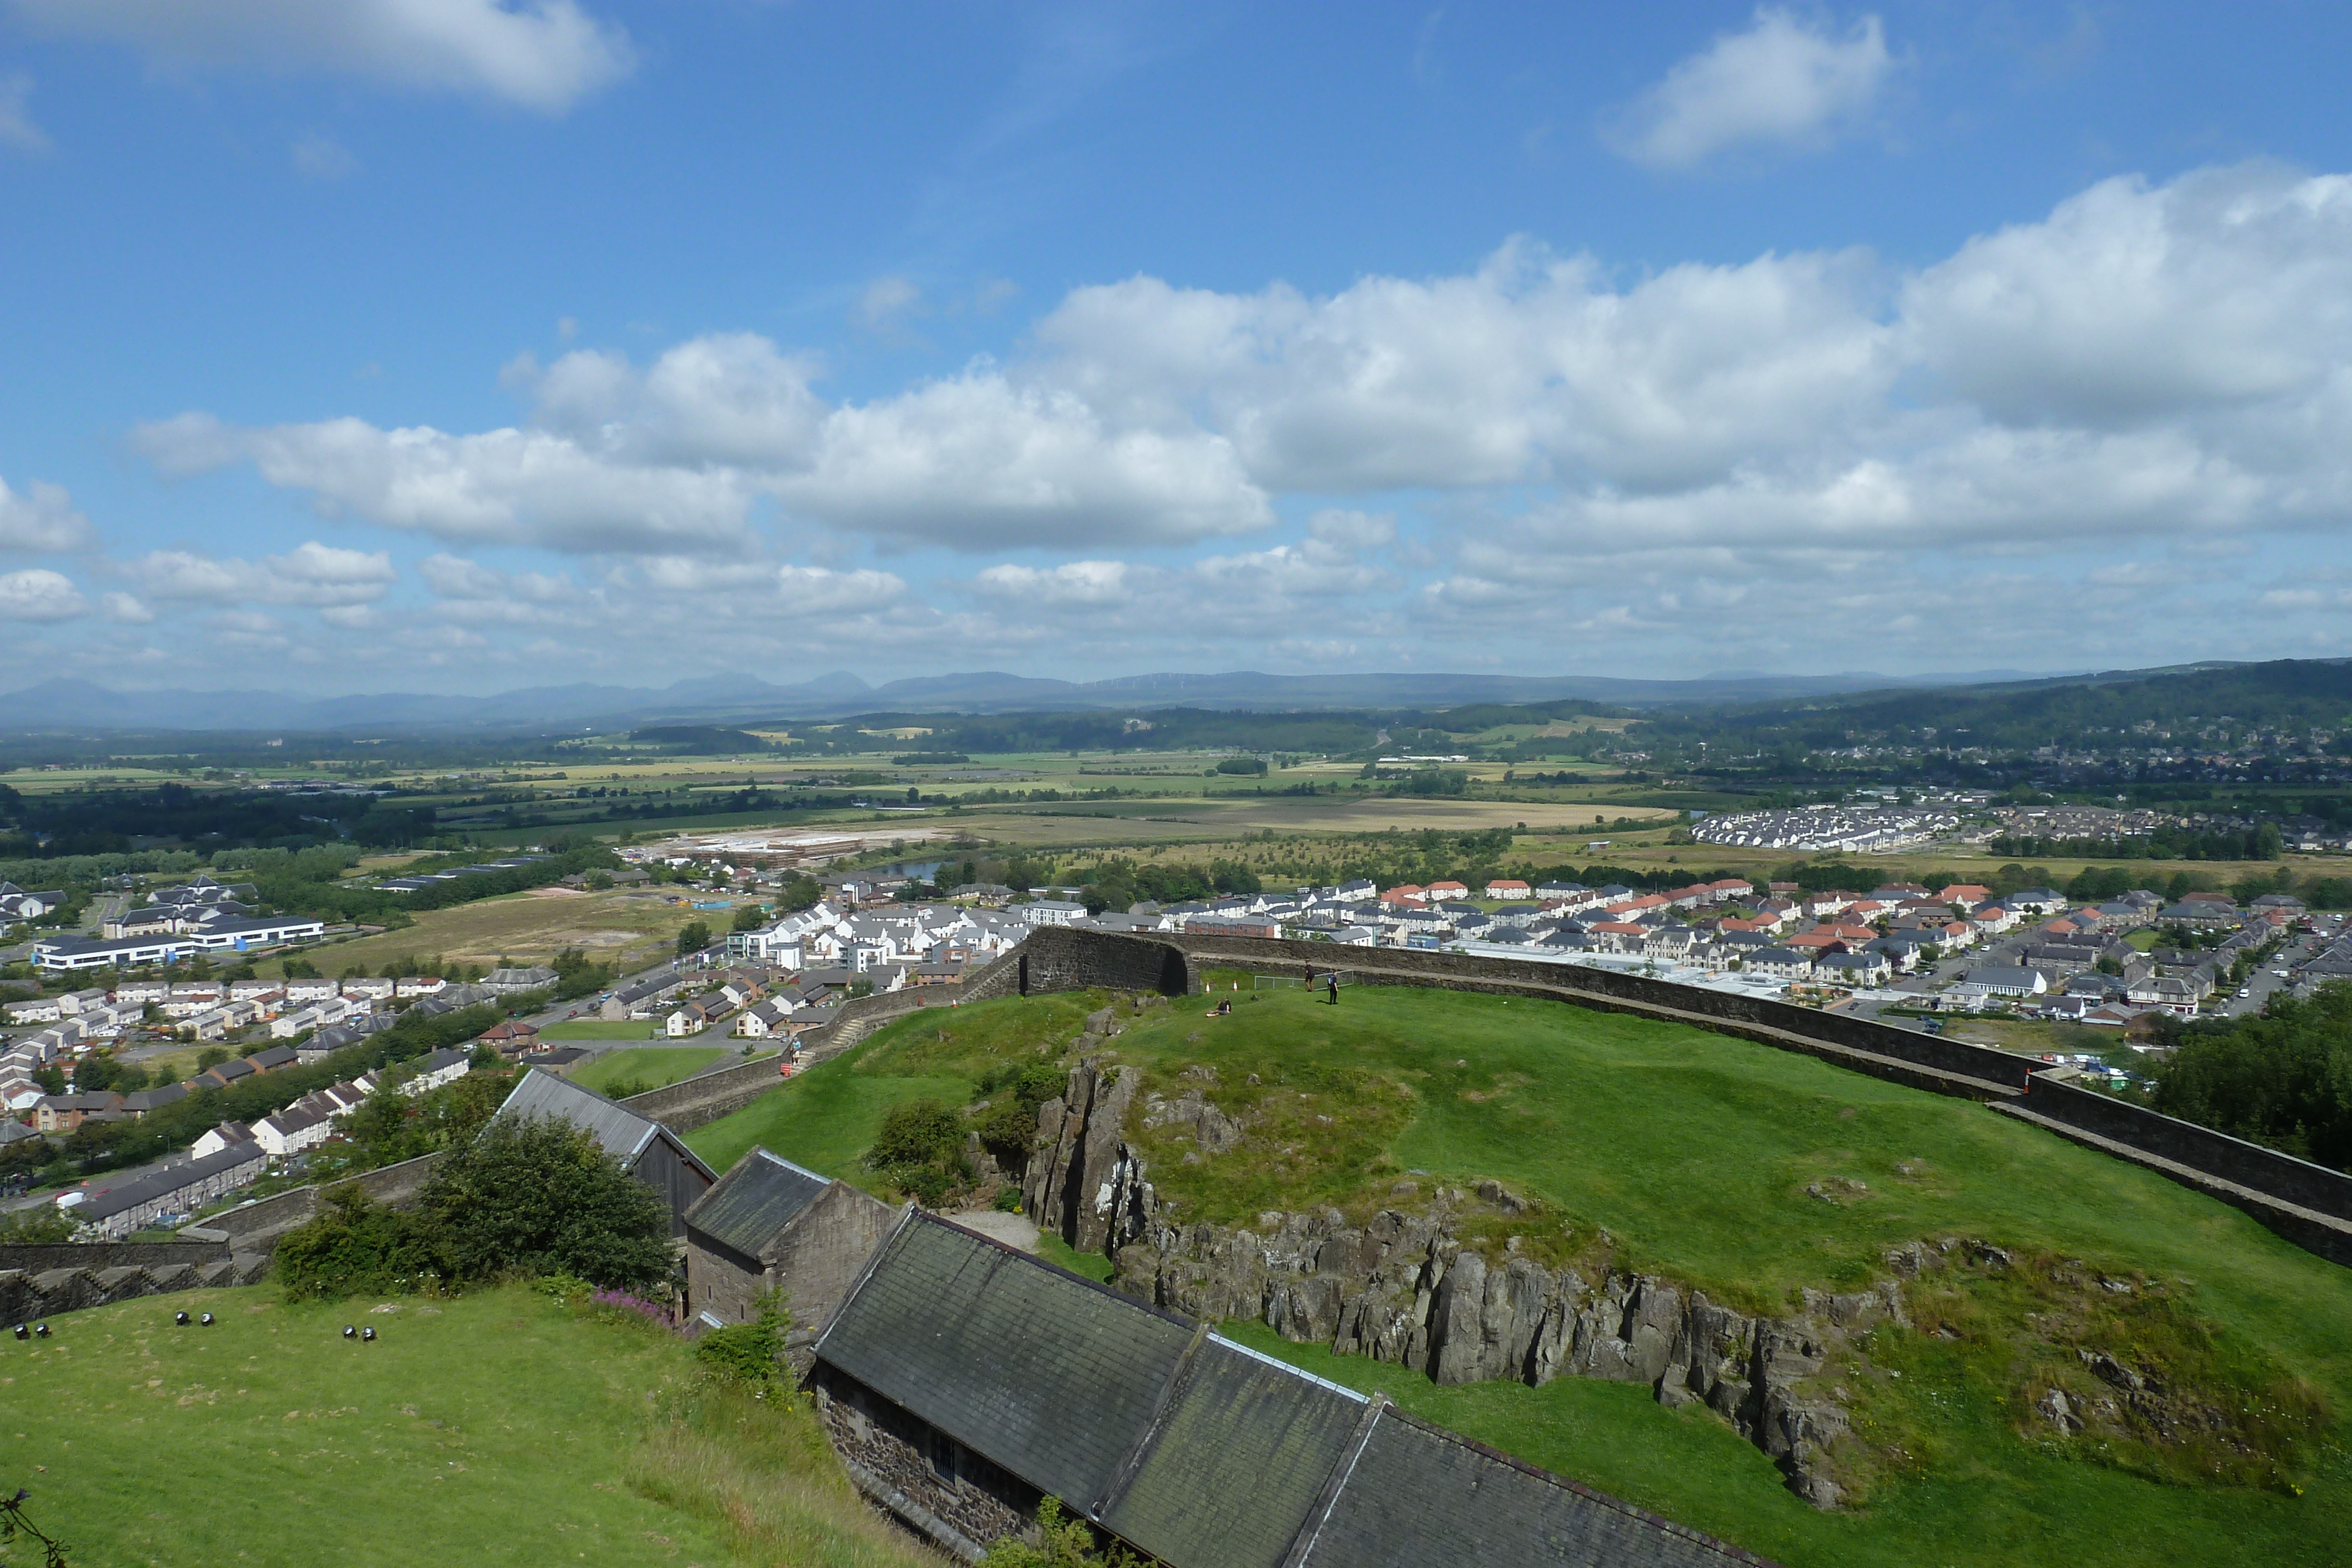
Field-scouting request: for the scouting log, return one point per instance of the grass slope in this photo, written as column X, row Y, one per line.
column 499, row 1428
column 653, row 1066
column 1694, row 1150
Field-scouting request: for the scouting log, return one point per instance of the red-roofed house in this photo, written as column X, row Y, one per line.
column 1506, row 887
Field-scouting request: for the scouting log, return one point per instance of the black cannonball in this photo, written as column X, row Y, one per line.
column 42, row 1330
column 350, row 1332
column 24, row 1332
column 181, row 1319
column 367, row 1333
column 206, row 1320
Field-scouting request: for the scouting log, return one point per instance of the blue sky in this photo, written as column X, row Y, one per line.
column 403, row 344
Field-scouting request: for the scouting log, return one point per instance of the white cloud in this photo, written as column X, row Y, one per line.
column 41, row 518
column 544, row 54
column 819, row 590
column 39, row 595
column 16, row 126
column 2224, row 288
column 1533, row 367
column 504, row 487
column 1783, row 82
column 975, row 463
column 1091, row 584
column 309, row 574
column 125, row 609
column 322, row 157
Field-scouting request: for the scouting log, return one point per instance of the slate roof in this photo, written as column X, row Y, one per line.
column 621, row 1133
column 1200, row 1451
column 753, row 1202
column 1052, row 1377
column 1242, row 1455
column 1418, row 1494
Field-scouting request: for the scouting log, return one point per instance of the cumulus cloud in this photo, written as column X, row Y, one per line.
column 2226, row 288
column 2150, row 370
column 1531, row 368
column 41, row 518
column 39, row 595
column 976, row 463
column 1782, row 82
column 16, row 126
column 542, row 55
column 503, row 486
column 313, row 574
column 125, row 609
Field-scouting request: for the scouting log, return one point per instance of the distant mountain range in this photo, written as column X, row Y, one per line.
column 78, row 705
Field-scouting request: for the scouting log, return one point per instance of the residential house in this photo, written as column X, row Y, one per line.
column 431, row 1072
column 1508, row 887
column 290, row 1131
column 1778, row 963
column 64, row 1112
column 225, row 1135
column 108, row 1213
column 511, row 1037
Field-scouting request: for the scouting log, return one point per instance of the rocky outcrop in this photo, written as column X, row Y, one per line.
column 1402, row 1287
column 1085, row 1181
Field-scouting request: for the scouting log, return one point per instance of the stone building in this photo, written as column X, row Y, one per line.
column 962, row 1380
column 771, row 1224
column 647, row 1150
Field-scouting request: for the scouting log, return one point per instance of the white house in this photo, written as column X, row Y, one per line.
column 290, row 1131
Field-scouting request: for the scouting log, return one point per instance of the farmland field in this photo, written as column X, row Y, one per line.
column 626, row 929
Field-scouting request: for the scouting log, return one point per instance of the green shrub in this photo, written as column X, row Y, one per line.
column 1060, row 1544
column 356, row 1246
column 920, row 1150
column 751, row 1353
column 528, row 1197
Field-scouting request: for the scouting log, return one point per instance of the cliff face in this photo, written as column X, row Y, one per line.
column 1404, row 1288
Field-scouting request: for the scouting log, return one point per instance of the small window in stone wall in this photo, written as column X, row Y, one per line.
column 944, row 1450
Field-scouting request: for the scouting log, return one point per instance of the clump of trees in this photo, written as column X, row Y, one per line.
column 523, row 1198
column 2282, row 1078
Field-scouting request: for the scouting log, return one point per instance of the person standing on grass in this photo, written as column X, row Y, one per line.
column 1333, row 981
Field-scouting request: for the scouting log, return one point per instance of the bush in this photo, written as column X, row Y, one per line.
column 1060, row 1544
column 751, row 1353
column 540, row 1197
column 356, row 1246
column 920, row 1150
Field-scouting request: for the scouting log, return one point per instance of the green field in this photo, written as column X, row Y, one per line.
column 601, row 1028
column 1692, row 1151
column 653, row 1066
column 498, row 1427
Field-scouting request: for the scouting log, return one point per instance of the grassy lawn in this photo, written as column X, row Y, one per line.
column 654, row 1066
column 494, row 1428
column 825, row 1118
column 600, row 1029
column 1692, row 1151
